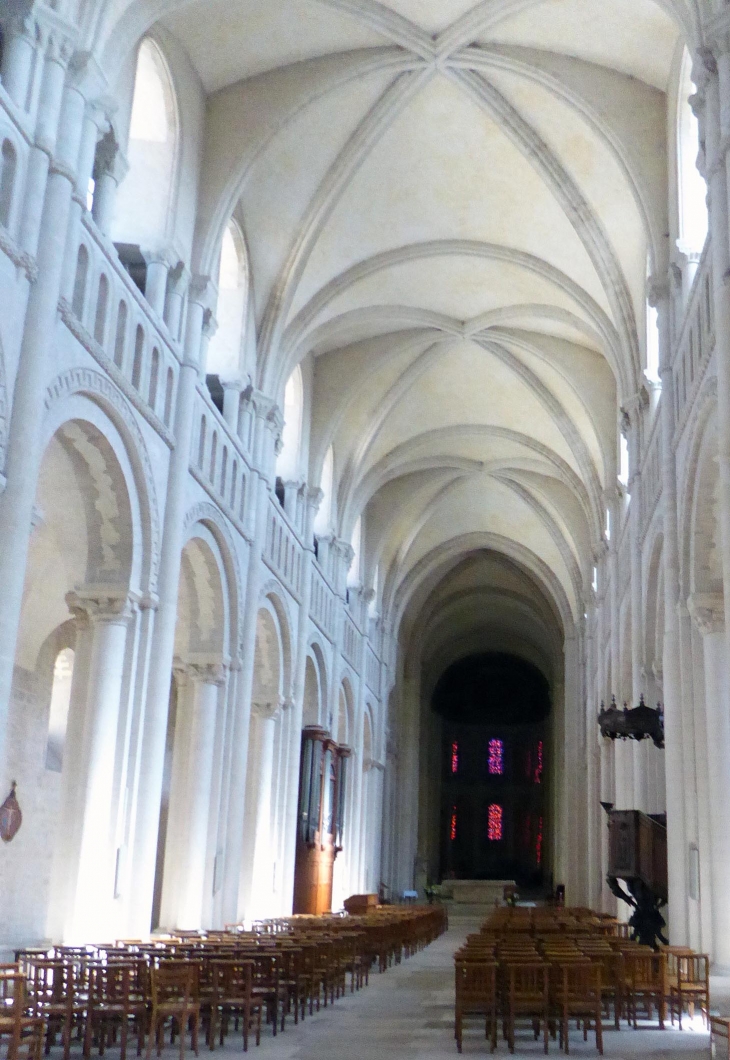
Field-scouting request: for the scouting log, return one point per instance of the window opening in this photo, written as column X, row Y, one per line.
column 494, row 823
column 455, row 757
column 452, row 824
column 496, row 757
column 58, row 714
column 224, row 349
column 287, row 462
column 537, row 776
column 623, row 472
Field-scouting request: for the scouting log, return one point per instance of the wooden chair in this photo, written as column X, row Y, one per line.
column 268, row 988
column 174, row 992
column 55, row 996
column 233, row 996
column 575, row 993
column 24, row 1033
column 720, row 1037
column 476, row 995
column 690, row 985
column 116, row 997
column 645, row 981
column 526, row 994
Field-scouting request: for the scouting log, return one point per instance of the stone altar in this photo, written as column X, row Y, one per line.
column 476, row 892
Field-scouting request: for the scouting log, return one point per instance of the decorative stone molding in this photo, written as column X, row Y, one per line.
column 267, row 710
column 203, row 512
column 109, row 159
column 19, row 258
column 207, row 673
column 88, row 381
column 100, row 604
column 708, row 612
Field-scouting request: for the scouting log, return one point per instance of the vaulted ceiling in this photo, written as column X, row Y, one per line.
column 451, row 205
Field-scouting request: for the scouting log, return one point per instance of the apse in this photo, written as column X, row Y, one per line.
column 494, row 709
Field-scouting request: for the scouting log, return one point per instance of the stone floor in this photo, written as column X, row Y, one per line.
column 407, row 1014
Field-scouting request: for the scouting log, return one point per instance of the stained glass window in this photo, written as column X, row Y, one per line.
column 494, row 822
column 454, row 757
column 452, row 825
column 496, row 757
column 537, row 776
column 538, row 842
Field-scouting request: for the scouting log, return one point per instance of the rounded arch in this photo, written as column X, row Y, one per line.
column 202, row 631
column 273, row 600
column 325, row 512
column 692, row 219
column 288, row 460
column 87, row 394
column 209, row 517
column 147, row 197
column 226, row 347
column 430, row 568
column 345, row 713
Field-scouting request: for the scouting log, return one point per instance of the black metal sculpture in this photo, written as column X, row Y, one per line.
column 646, row 922
column 638, row 724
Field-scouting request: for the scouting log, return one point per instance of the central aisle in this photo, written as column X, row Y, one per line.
column 408, row 1012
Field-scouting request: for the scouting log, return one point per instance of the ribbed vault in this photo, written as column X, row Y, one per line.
column 453, row 207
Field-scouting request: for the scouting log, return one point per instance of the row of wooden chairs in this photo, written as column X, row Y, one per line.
column 192, row 982
column 555, row 965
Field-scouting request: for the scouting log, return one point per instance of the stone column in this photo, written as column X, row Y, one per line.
column 672, row 677
column 177, row 281
column 55, row 108
column 24, row 446
column 231, row 403
column 190, row 797
column 267, row 715
column 409, row 738
column 266, row 436
column 17, row 60
column 70, row 806
column 145, row 811
column 689, row 774
column 708, row 612
column 110, row 169
column 313, row 499
column 632, row 428
column 108, row 614
column 155, row 288
column 94, row 121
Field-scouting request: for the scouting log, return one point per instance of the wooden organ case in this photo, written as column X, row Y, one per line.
column 320, row 821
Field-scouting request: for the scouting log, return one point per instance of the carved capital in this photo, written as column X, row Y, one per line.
column 201, row 671
column 707, row 611
column 267, row 710
column 657, row 290
column 102, row 605
column 201, row 290
column 109, row 159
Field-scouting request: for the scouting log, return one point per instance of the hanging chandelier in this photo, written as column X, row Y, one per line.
column 640, row 723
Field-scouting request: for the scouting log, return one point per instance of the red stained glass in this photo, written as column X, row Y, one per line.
column 537, row 775
column 496, row 757
column 538, row 842
column 454, row 757
column 452, row 828
column 494, row 822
